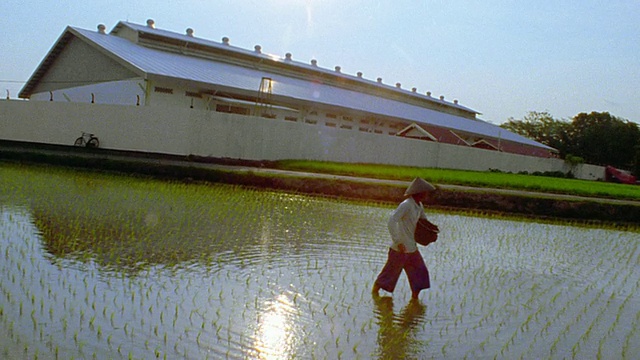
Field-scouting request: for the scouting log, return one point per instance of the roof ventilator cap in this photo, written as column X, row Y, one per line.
column 398, row 85
column 190, row 32
column 379, row 80
column 287, row 56
column 102, row 29
column 455, row 101
column 414, row 90
column 225, row 40
column 337, row 69
column 258, row 49
column 429, row 93
column 359, row 74
column 442, row 97
column 151, row 23
column 314, row 62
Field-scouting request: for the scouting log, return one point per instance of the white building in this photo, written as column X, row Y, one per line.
column 138, row 65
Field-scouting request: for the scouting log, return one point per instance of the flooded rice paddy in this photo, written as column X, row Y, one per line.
column 100, row 266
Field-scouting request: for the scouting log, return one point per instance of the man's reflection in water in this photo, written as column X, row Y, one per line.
column 396, row 335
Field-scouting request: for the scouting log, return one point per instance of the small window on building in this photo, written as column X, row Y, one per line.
column 163, row 90
column 364, row 121
column 348, row 127
column 347, row 118
column 392, row 133
column 377, row 131
column 269, row 115
column 330, row 124
column 312, row 122
column 193, row 94
column 291, row 118
column 332, row 116
column 232, row 109
column 313, row 113
column 363, row 129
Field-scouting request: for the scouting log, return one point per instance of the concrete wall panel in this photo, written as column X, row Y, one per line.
column 182, row 131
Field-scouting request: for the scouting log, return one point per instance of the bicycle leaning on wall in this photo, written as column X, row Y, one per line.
column 87, row 140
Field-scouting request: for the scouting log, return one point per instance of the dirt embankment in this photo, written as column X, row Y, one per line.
column 258, row 174
column 484, row 201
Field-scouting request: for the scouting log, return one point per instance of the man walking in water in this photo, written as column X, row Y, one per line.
column 403, row 252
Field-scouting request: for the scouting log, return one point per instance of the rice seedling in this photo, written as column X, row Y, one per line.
column 147, row 266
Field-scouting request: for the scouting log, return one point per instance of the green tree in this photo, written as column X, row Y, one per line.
column 543, row 128
column 603, row 139
column 596, row 138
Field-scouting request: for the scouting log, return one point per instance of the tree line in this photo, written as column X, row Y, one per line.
column 597, row 138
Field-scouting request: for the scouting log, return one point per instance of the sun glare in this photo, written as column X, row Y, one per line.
column 276, row 337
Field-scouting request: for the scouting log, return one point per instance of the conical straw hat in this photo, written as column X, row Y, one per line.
column 417, row 186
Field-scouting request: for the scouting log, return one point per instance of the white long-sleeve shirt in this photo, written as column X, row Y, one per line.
column 402, row 224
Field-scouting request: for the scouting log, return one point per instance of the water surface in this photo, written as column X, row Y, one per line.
column 100, row 266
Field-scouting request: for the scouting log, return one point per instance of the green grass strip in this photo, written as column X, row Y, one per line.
column 471, row 178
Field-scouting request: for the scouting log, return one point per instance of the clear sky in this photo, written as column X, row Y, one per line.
column 501, row 58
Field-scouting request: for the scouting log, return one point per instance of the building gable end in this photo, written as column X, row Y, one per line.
column 71, row 63
column 415, row 131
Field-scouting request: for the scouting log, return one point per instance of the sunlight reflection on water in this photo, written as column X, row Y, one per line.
column 276, row 335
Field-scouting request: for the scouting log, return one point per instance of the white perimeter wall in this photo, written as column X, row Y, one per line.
column 207, row 133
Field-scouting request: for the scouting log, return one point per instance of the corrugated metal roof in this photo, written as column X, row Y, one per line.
column 307, row 66
column 149, row 61
column 297, row 64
